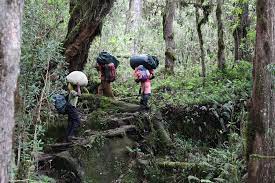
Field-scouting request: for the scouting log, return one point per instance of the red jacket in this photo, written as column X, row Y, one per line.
column 107, row 72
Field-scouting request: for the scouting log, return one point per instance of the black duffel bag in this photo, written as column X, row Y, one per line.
column 148, row 61
column 106, row 58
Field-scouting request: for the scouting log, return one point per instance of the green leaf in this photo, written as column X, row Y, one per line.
column 191, row 177
column 219, row 179
column 205, row 180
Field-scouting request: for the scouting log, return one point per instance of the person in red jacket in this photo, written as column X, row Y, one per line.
column 107, row 74
column 144, row 76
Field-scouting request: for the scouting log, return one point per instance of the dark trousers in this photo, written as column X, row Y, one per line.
column 73, row 120
column 105, row 89
column 144, row 99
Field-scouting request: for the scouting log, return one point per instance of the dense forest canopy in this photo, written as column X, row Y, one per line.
column 208, row 116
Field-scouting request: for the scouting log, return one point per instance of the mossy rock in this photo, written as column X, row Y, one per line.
column 95, row 120
column 103, row 160
column 100, row 160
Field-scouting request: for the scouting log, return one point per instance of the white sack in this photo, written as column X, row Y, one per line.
column 77, row 77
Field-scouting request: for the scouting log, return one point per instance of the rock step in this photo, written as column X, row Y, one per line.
column 116, row 132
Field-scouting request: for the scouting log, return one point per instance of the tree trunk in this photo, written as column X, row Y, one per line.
column 262, row 142
column 134, row 18
column 10, row 37
column 84, row 25
column 206, row 12
column 168, row 34
column 240, row 32
column 221, row 57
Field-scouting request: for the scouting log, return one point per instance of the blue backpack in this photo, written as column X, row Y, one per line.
column 60, row 103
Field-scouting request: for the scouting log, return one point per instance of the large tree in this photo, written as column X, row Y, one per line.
column 240, row 31
column 200, row 22
column 221, row 56
column 168, row 34
column 262, row 142
column 134, row 17
column 84, row 25
column 10, row 37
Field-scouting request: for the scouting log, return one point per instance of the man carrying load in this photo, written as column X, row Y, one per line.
column 67, row 105
column 144, row 66
column 75, row 79
column 106, row 64
column 144, row 76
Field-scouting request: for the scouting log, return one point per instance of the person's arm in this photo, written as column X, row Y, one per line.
column 71, row 90
column 78, row 90
column 152, row 75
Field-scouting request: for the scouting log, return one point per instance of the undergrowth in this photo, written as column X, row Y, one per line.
column 187, row 88
column 221, row 164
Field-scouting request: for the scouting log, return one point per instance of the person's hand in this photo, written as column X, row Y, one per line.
column 74, row 93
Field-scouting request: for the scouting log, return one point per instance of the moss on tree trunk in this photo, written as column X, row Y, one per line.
column 221, row 56
column 262, row 136
column 200, row 22
column 168, row 35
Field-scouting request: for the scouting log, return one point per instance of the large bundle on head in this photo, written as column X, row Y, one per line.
column 148, row 61
column 106, row 58
column 77, row 77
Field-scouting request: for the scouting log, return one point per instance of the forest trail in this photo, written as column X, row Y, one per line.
column 210, row 86
column 116, row 135
column 115, row 138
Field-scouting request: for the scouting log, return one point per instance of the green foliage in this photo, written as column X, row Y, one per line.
column 28, row 144
column 43, row 70
column 41, row 49
column 218, row 87
column 223, row 164
column 41, row 179
column 186, row 87
column 96, row 120
column 44, row 25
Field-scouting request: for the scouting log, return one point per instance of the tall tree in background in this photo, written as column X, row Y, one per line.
column 168, row 34
column 10, row 37
column 84, row 25
column 221, row 57
column 262, row 142
column 240, row 32
column 134, row 18
column 200, row 22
